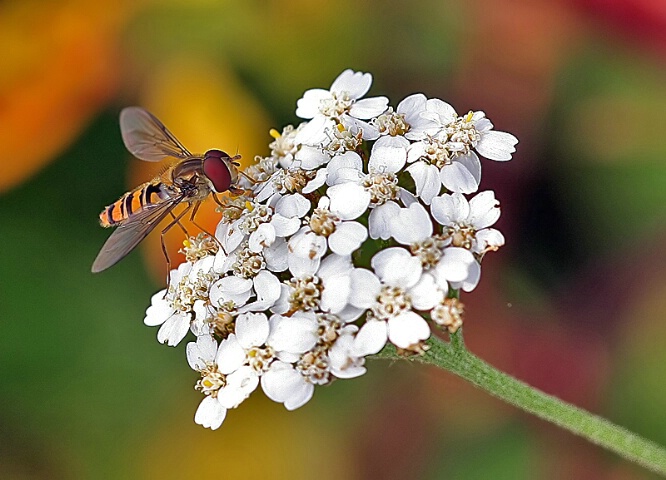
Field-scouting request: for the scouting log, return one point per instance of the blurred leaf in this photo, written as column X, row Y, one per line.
column 60, row 66
column 609, row 132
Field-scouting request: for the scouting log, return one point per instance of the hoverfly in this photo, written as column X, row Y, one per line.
column 191, row 180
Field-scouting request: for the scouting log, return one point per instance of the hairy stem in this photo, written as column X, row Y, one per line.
column 457, row 359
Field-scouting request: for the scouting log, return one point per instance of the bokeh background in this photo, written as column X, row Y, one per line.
column 575, row 304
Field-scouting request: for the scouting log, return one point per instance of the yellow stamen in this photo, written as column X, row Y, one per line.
column 249, row 206
column 341, row 127
column 274, row 133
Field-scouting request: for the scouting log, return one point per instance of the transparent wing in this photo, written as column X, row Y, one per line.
column 147, row 138
column 129, row 234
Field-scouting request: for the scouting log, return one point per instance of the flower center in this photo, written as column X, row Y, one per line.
column 292, row 181
column 306, row 293
column 248, row 263
column 254, row 216
column 429, row 251
column 189, row 291
column 449, row 313
column 391, row 123
column 382, row 187
column 196, row 248
column 211, row 380
column 260, row 358
column 462, row 236
column 462, row 134
column 391, row 302
column 328, row 329
column 283, row 145
column 436, row 152
column 322, row 222
column 314, row 366
column 335, row 106
column 223, row 321
column 343, row 140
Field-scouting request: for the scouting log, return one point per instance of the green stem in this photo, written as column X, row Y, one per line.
column 457, row 359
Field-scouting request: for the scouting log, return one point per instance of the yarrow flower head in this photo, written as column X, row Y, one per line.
column 356, row 231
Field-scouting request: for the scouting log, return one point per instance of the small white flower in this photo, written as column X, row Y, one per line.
column 447, row 263
column 342, row 103
column 223, row 391
column 181, row 307
column 343, row 237
column 391, row 317
column 450, row 150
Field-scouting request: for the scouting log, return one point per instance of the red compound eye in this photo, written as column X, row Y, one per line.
column 216, row 169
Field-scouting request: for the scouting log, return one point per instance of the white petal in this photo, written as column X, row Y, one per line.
column 282, row 384
column 231, row 288
column 266, row 286
column 484, row 210
column 347, row 238
column 295, row 205
column 426, row 178
column 308, row 105
column 365, row 287
column 230, row 356
column 488, row 239
column 318, row 181
column 354, row 124
column 445, row 112
column 472, row 279
column 314, row 131
column 300, row 266
column 456, row 178
column 426, row 293
column 379, row 221
column 307, row 245
column 455, row 264
column 262, row 237
column 174, row 329
column 371, row 338
column 397, row 267
column 240, row 384
column 336, row 293
column 355, row 84
column 346, row 161
column 201, row 352
column 497, row 145
column 252, row 329
column 285, row 226
column 348, row 200
column 369, row 107
column 407, row 329
column 160, row 309
column 389, row 154
column 295, row 334
column 210, row 413
column 309, row 157
column 276, row 256
column 411, row 225
column 413, row 104
column 450, row 209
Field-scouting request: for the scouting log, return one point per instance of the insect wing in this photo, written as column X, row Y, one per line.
column 147, row 138
column 129, row 234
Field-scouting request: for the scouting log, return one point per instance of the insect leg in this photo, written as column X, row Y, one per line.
column 176, row 220
column 193, row 214
column 180, row 225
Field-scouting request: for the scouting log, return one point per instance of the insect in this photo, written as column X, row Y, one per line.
column 190, row 180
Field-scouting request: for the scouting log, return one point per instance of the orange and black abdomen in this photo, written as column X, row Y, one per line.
column 131, row 203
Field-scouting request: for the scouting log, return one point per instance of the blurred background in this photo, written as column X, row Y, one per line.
column 575, row 304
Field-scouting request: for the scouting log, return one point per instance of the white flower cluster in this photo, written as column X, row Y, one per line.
column 356, row 232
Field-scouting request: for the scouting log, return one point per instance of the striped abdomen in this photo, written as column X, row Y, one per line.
column 131, row 203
